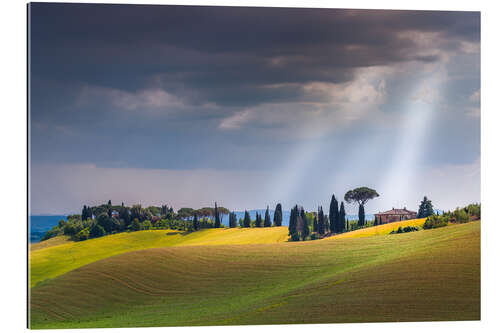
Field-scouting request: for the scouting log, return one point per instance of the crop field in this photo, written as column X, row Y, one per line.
column 57, row 256
column 418, row 276
column 383, row 229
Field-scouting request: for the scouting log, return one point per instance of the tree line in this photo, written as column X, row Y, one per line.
column 301, row 222
column 107, row 218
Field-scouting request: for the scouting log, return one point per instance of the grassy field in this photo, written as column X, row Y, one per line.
column 55, row 241
column 383, row 229
column 417, row 276
column 57, row 256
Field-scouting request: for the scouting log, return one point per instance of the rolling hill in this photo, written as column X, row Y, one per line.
column 58, row 255
column 418, row 276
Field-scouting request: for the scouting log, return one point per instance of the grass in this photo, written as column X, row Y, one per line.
column 383, row 229
column 419, row 276
column 58, row 240
column 59, row 256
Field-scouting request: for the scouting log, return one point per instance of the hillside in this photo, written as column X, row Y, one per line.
column 418, row 276
column 55, row 241
column 57, row 256
column 383, row 229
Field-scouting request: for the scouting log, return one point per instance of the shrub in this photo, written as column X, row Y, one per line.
column 61, row 224
column 51, row 233
column 96, row 231
column 314, row 236
column 410, row 229
column 474, row 210
column 295, row 237
column 146, row 225
column 435, row 221
column 461, row 216
column 135, row 226
column 401, row 230
column 82, row 235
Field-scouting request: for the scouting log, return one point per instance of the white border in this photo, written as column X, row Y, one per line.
column 13, row 191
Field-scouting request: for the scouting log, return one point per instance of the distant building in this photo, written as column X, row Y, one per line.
column 394, row 215
column 115, row 214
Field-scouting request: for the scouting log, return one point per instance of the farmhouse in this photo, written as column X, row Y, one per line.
column 395, row 214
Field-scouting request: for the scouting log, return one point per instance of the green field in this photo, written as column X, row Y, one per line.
column 57, row 256
column 418, row 276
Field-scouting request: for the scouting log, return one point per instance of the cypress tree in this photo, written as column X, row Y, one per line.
column 125, row 216
column 361, row 216
column 292, row 225
column 315, row 224
column 342, row 214
column 305, row 226
column 278, row 216
column 321, row 221
column 267, row 219
column 196, row 225
column 217, row 217
column 84, row 213
column 335, row 225
column 246, row 220
column 258, row 220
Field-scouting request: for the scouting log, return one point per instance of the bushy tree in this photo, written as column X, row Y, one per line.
column 246, row 220
column 135, row 212
column 125, row 216
column 278, row 216
column 96, row 231
column 82, row 235
column 361, row 195
column 135, row 226
column 185, row 213
column 425, row 208
column 146, row 225
column 108, row 223
column 267, row 218
column 71, row 229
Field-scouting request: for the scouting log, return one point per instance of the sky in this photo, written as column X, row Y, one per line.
column 187, row 105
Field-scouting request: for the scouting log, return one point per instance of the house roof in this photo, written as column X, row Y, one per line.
column 397, row 211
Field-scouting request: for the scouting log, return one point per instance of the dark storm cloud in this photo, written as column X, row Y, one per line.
column 226, row 55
